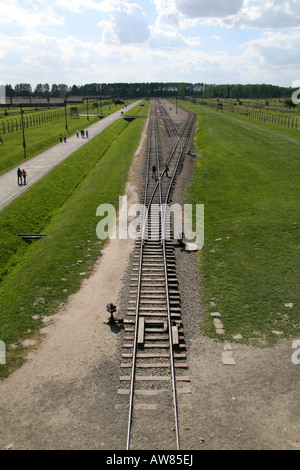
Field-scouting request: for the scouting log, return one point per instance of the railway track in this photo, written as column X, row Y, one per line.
column 154, row 357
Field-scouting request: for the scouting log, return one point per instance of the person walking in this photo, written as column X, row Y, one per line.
column 19, row 173
column 65, row 137
column 167, row 169
column 87, row 134
column 24, row 174
column 60, row 137
column 154, row 172
column 77, row 133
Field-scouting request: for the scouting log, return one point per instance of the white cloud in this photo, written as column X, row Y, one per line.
column 37, row 57
column 259, row 14
column 206, row 9
column 131, row 25
column 162, row 39
column 127, row 25
column 165, row 57
column 127, row 48
column 229, row 13
column 278, row 49
column 79, row 6
column 168, row 17
column 14, row 14
column 267, row 14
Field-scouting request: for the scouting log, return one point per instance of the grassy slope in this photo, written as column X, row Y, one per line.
column 38, row 139
column 42, row 137
column 248, row 178
column 31, row 211
column 33, row 285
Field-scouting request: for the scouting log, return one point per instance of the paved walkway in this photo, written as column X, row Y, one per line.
column 36, row 167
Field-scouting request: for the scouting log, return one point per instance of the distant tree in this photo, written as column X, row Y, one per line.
column 9, row 91
column 46, row 90
column 166, row 89
column 181, row 90
column 131, row 91
column 42, row 90
column 54, row 91
column 74, row 90
column 63, row 90
column 23, row 89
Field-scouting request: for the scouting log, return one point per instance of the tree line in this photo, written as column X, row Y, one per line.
column 144, row 90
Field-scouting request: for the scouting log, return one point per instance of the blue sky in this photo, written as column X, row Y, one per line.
column 106, row 41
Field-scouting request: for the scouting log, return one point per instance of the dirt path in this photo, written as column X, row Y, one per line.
column 65, row 395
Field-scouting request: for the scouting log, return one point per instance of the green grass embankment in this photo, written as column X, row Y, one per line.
column 140, row 110
column 39, row 276
column 247, row 175
column 41, row 137
column 38, row 139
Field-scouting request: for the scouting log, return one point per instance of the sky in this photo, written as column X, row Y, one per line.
column 111, row 41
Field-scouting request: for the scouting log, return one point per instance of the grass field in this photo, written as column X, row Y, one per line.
column 247, row 175
column 38, row 277
column 43, row 136
column 275, row 111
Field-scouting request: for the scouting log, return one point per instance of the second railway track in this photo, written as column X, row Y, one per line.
column 154, row 352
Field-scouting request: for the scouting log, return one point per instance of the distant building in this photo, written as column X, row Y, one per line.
column 38, row 101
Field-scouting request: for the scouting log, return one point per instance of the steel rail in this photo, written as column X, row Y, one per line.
column 145, row 221
column 153, row 132
column 163, row 241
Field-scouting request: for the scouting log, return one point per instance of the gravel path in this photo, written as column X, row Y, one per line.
column 65, row 395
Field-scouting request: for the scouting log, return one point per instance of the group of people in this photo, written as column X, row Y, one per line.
column 61, row 139
column 154, row 171
column 82, row 133
column 21, row 176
